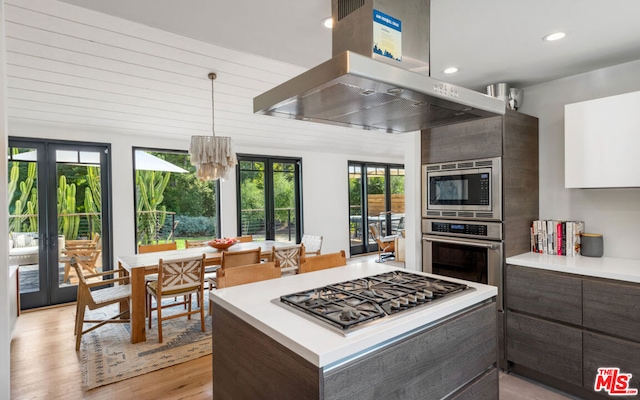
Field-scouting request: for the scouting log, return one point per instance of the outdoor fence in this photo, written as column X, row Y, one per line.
column 88, row 223
column 254, row 223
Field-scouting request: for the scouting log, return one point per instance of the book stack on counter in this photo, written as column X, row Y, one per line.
column 555, row 237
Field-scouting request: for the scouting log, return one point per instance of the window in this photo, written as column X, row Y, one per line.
column 172, row 204
column 269, row 198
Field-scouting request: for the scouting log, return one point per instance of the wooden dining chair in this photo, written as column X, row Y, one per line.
column 152, row 248
column 289, row 258
column 245, row 239
column 209, row 270
column 184, row 277
column 247, row 274
column 324, row 261
column 99, row 298
column 232, row 259
column 190, row 244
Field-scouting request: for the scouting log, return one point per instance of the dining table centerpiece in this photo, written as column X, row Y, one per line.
column 222, row 243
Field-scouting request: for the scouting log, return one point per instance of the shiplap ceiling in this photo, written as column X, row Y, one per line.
column 74, row 67
column 96, row 69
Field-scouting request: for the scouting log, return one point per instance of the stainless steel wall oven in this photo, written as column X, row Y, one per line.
column 469, row 250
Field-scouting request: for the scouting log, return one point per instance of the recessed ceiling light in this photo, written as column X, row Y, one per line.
column 451, row 70
column 327, row 23
column 554, row 36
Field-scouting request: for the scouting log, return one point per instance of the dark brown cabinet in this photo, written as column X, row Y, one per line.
column 562, row 327
column 613, row 308
column 545, row 346
column 602, row 351
column 484, row 387
column 553, row 296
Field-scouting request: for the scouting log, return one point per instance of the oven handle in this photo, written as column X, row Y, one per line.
column 491, row 246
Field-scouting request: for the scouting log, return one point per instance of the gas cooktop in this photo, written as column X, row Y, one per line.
column 350, row 304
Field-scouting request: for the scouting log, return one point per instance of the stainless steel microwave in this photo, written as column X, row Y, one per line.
column 469, row 189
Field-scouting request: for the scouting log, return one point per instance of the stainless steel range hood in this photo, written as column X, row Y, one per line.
column 363, row 89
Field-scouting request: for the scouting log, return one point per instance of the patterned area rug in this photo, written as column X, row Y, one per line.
column 108, row 356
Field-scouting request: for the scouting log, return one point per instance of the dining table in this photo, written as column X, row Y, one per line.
column 139, row 265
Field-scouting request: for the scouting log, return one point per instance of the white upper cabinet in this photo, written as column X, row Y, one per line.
column 602, row 142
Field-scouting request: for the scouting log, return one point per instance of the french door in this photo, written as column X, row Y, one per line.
column 376, row 196
column 269, row 200
column 56, row 211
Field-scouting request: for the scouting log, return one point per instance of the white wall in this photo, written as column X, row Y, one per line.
column 5, row 334
column 613, row 212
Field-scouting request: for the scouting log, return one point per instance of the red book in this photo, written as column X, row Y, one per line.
column 559, row 238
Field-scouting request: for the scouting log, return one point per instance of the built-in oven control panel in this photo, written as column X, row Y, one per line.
column 467, row 229
column 472, row 229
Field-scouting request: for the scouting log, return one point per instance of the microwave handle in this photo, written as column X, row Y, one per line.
column 491, row 246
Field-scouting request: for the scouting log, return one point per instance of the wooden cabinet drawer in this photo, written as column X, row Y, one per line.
column 483, row 388
column 612, row 307
column 545, row 294
column 606, row 352
column 547, row 347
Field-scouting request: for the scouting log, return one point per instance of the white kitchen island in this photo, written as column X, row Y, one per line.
column 263, row 349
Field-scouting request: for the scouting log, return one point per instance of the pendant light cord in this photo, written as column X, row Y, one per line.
column 213, row 77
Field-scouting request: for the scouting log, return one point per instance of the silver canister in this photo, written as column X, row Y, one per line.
column 500, row 91
column 512, row 96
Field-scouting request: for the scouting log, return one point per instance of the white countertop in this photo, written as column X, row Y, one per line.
column 600, row 267
column 322, row 346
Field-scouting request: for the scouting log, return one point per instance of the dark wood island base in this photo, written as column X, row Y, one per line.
column 452, row 359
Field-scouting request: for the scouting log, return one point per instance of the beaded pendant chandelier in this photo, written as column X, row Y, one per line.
column 213, row 155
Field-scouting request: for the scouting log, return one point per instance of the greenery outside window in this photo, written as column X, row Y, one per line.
column 172, row 204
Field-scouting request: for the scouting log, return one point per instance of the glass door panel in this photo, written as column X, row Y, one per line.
column 396, row 183
column 79, row 213
column 356, row 227
column 382, row 206
column 376, row 202
column 24, row 225
column 253, row 220
column 284, row 198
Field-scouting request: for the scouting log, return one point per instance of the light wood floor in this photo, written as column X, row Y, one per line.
column 45, row 365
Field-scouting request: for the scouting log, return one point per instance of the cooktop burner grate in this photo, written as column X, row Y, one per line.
column 356, row 302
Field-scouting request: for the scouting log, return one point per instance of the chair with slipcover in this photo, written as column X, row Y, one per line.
column 312, row 244
column 289, row 258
